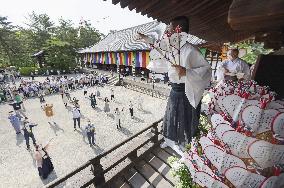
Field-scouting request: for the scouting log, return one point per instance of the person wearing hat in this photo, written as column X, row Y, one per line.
column 90, row 130
column 28, row 132
column 15, row 121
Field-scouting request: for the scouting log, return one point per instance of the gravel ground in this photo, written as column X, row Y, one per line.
column 69, row 149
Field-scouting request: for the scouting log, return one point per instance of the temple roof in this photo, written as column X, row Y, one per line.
column 127, row 39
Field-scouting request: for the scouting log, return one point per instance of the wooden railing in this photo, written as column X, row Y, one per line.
column 97, row 168
column 158, row 92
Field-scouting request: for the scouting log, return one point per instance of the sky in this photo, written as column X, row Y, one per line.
column 103, row 15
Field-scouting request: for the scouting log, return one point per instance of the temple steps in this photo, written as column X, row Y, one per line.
column 151, row 171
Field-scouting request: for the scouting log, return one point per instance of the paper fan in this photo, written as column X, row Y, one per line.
column 274, row 105
column 189, row 163
column 238, row 143
column 257, row 119
column 217, row 119
column 205, row 180
column 281, row 109
column 221, row 160
column 280, row 102
column 242, row 178
column 278, row 125
column 221, row 129
column 266, row 154
column 201, row 165
column 205, row 141
column 273, row 182
column 229, row 103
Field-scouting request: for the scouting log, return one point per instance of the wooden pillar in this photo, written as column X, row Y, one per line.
column 155, row 131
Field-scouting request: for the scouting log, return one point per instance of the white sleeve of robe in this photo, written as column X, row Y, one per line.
column 198, row 74
column 159, row 66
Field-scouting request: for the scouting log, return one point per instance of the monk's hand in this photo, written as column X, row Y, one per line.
column 181, row 70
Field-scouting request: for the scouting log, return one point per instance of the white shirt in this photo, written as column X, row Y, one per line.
column 236, row 66
column 76, row 113
column 198, row 72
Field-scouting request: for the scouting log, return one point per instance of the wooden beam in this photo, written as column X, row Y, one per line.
column 178, row 9
column 144, row 9
column 115, row 1
column 124, row 3
column 145, row 5
column 256, row 15
column 135, row 4
column 168, row 7
column 202, row 7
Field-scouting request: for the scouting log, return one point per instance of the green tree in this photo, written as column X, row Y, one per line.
column 41, row 29
column 6, row 41
column 88, row 35
column 253, row 49
column 60, row 54
column 18, row 44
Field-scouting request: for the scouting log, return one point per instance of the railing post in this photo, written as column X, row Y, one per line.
column 133, row 156
column 98, row 172
column 155, row 131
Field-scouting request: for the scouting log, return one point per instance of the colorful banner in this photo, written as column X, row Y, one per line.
column 138, row 59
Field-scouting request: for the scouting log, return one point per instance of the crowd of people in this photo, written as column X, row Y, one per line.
column 16, row 94
column 31, row 88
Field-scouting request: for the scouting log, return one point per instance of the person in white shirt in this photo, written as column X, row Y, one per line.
column 117, row 118
column 233, row 68
column 76, row 117
column 188, row 78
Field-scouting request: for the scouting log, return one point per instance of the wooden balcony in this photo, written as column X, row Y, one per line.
column 136, row 162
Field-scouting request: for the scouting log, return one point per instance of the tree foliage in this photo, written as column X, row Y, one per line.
column 253, row 49
column 60, row 42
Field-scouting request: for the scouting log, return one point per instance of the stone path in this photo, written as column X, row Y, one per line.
column 69, row 149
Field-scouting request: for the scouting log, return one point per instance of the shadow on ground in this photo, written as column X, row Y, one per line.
column 137, row 119
column 20, row 138
column 55, row 127
column 125, row 131
column 51, row 177
column 144, row 111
